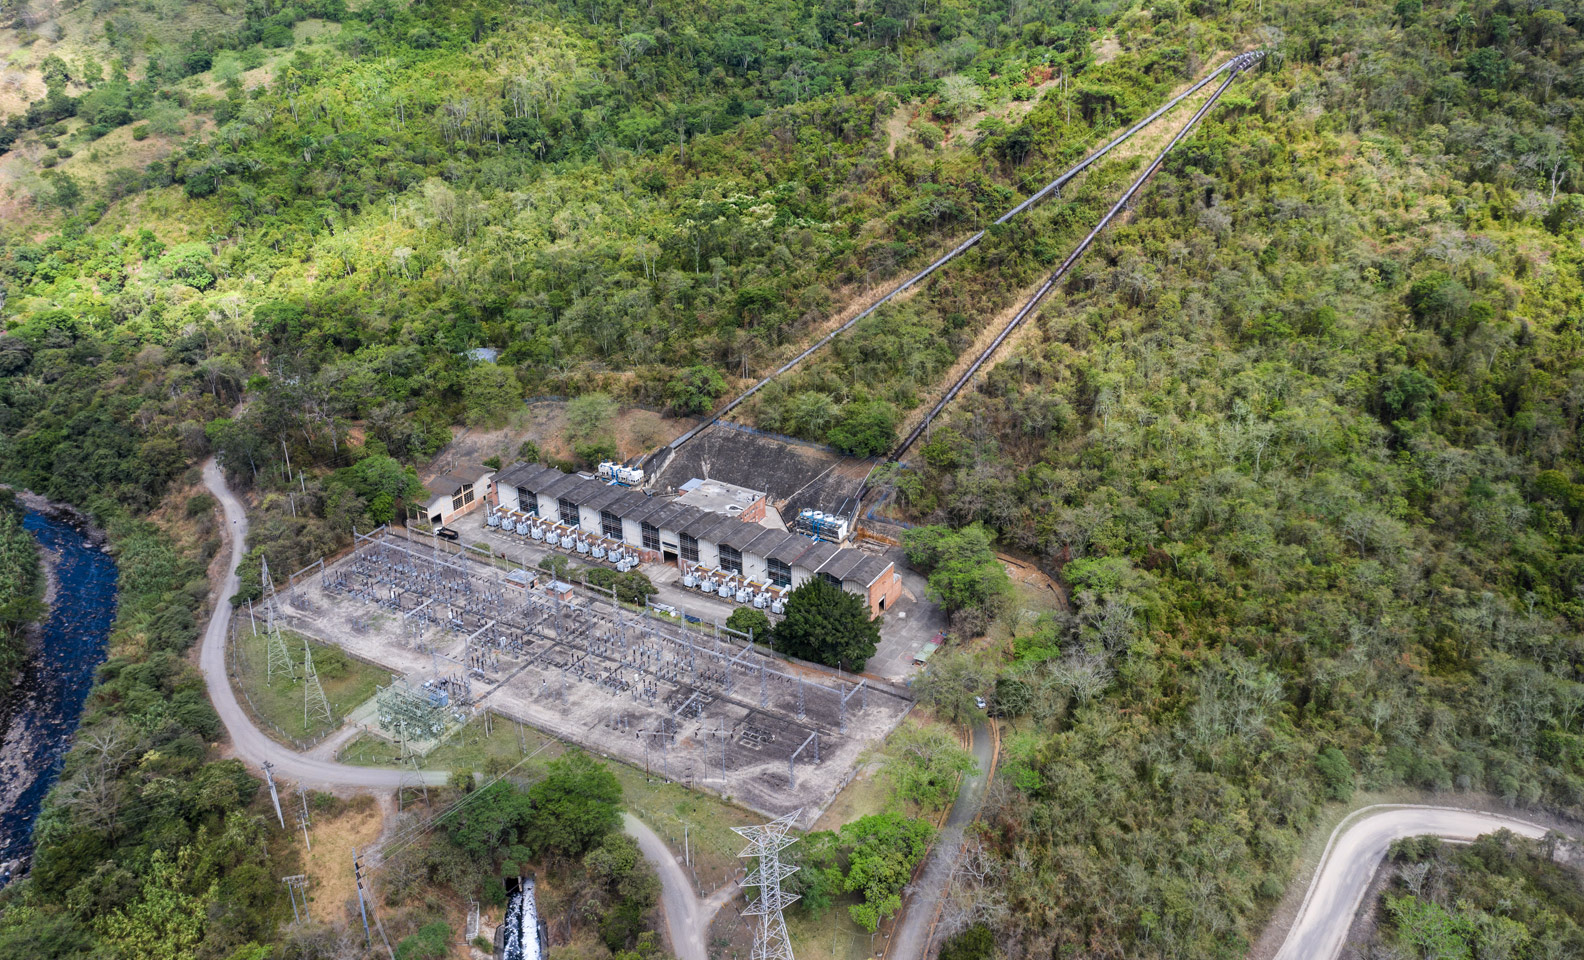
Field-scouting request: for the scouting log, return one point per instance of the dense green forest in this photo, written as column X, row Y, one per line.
column 1501, row 896
column 147, row 842
column 21, row 586
column 1301, row 435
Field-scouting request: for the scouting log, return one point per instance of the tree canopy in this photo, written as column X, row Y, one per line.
column 828, row 625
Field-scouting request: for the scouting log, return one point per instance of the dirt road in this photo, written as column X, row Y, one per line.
column 911, row 939
column 686, row 919
column 247, row 741
column 1356, row 849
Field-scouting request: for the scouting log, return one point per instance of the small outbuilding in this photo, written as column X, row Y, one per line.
column 456, row 492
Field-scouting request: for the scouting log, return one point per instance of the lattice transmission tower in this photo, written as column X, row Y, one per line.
column 279, row 660
column 314, row 702
column 765, row 843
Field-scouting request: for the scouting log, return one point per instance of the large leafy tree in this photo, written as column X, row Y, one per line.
column 828, row 625
column 885, row 849
column 492, row 821
column 576, row 804
column 964, row 573
column 693, row 391
column 865, row 428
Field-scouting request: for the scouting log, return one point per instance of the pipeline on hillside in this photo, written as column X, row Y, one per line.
column 1237, row 65
column 961, row 248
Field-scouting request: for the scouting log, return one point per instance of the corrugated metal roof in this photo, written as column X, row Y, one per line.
column 602, row 498
column 817, row 556
column 563, row 487
column 790, row 550
column 841, row 565
column 868, row 570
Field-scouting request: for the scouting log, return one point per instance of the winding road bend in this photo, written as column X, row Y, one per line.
column 686, row 918
column 910, row 940
column 1355, row 851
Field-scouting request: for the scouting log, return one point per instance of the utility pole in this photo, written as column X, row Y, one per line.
column 357, row 873
column 765, row 843
column 278, row 660
column 295, row 885
column 274, row 796
column 302, row 819
column 314, row 701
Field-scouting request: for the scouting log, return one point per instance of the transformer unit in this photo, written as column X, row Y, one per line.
column 597, row 552
column 804, row 523
column 830, row 527
column 821, row 525
column 689, row 581
column 493, row 519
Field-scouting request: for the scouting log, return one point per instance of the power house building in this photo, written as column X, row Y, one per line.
column 710, row 525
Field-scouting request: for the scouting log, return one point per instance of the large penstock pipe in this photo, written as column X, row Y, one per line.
column 1237, row 64
column 1045, row 191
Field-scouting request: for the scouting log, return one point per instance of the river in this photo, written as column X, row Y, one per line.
column 55, row 684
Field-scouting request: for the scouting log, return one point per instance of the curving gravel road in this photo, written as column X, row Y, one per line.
column 911, row 939
column 686, row 919
column 1355, row 851
column 248, row 742
column 684, row 914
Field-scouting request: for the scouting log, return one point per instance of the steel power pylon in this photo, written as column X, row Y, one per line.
column 314, row 702
column 765, row 843
column 278, row 661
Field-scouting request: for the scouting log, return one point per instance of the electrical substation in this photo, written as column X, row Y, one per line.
column 709, row 711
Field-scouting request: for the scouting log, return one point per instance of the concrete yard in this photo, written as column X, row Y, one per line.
column 711, row 714
column 908, row 625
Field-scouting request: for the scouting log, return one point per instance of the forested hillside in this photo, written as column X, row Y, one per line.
column 21, row 586
column 1304, row 439
column 1301, row 434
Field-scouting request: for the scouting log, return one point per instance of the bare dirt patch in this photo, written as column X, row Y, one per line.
column 962, row 134
column 896, row 126
column 1106, row 49
column 331, row 884
column 544, row 423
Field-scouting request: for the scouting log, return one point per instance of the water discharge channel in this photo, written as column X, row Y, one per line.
column 521, row 937
column 54, row 684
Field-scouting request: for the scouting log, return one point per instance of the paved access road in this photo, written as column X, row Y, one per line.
column 1355, row 851
column 910, row 940
column 686, row 919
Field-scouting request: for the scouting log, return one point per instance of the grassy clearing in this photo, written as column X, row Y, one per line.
column 468, row 748
column 833, row 936
column 347, row 683
column 666, row 807
column 867, row 793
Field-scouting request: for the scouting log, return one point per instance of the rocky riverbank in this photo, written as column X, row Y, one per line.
column 40, row 708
